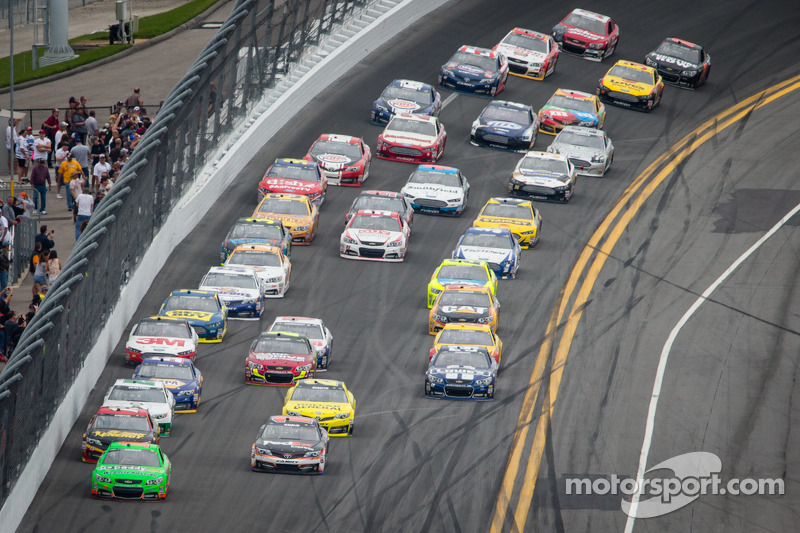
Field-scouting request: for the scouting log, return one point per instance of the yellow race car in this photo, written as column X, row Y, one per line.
column 326, row 400
column 633, row 85
column 463, row 304
column 520, row 216
column 296, row 212
column 456, row 334
column 460, row 272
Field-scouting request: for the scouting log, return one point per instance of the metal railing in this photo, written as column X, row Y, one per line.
column 248, row 55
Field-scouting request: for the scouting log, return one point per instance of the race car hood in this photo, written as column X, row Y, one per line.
column 228, row 294
column 501, row 127
column 194, row 317
column 568, row 116
column 290, row 221
column 278, row 447
column 155, row 408
column 583, row 35
column 114, row 435
column 177, row 385
column 466, row 312
column 538, row 177
column 521, row 53
column 580, row 152
column 501, row 222
column 334, row 161
column 470, row 72
column 286, row 360
column 128, row 470
column 490, row 255
column 460, row 374
column 373, row 236
column 284, row 185
column 399, row 105
column 315, row 409
column 673, row 61
column 432, row 190
column 408, row 138
column 622, row 85
column 160, row 344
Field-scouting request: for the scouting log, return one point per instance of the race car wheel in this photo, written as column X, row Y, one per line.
column 611, row 49
column 321, row 465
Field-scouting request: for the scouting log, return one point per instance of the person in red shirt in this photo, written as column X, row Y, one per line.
column 50, row 126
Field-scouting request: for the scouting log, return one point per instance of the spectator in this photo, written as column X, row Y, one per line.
column 92, row 127
column 81, row 154
column 134, row 100
column 30, row 207
column 105, row 183
column 40, row 179
column 51, row 125
column 98, row 147
column 61, row 156
column 5, row 233
column 53, row 267
column 5, row 299
column 45, row 238
column 35, row 257
column 78, row 123
column 31, row 312
column 115, row 151
column 17, row 334
column 73, row 105
column 61, row 135
column 102, row 167
column 11, row 212
column 40, row 273
column 11, row 144
column 68, row 170
column 42, row 147
column 11, row 326
column 75, row 188
column 5, row 264
column 39, row 292
column 85, row 204
column 123, row 158
column 23, row 156
column 99, row 196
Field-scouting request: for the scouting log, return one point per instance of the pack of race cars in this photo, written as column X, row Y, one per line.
column 255, row 256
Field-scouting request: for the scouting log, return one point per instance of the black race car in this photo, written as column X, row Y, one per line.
column 507, row 126
column 292, row 444
column 680, row 63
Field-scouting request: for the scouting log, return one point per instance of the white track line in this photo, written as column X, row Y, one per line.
column 449, row 99
column 662, row 363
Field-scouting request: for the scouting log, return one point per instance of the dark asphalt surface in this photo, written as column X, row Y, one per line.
column 420, row 465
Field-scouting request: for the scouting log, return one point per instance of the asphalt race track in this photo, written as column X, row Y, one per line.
column 422, row 465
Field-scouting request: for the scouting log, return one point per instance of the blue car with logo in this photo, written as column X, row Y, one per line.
column 497, row 246
column 181, row 377
column 474, row 70
column 203, row 309
column 461, row 373
column 506, row 126
column 405, row 96
column 256, row 231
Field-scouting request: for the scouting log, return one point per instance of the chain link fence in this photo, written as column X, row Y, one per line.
column 249, row 54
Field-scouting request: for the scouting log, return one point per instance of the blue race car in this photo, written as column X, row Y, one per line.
column 496, row 246
column 405, row 96
column 461, row 373
column 180, row 376
column 473, row 70
column 203, row 309
column 256, row 231
column 507, row 126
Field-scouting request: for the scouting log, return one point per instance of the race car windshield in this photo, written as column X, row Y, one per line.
column 470, row 272
column 282, row 345
column 283, row 207
column 126, row 423
column 235, row 281
column 505, row 114
column 588, row 141
column 292, row 172
column 298, row 432
column 398, row 126
column 456, row 358
column 332, row 147
column 524, row 41
column 162, row 329
column 392, row 92
column 507, row 211
column 131, row 457
column 191, row 303
column 312, row 331
column 129, row 394
column 375, row 222
column 379, row 203
column 446, row 179
column 690, row 55
column 585, row 23
column 464, row 298
column 466, row 336
column 162, row 371
column 631, row 74
column 256, row 231
column 536, row 164
column 577, row 104
column 319, row 394
column 482, row 62
column 485, row 240
column 254, row 258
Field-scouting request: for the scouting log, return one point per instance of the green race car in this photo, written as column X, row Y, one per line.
column 132, row 471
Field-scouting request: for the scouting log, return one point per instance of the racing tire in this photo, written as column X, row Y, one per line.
column 611, row 50
column 321, row 465
column 350, row 431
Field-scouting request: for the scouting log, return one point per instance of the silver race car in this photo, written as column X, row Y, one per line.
column 588, row 149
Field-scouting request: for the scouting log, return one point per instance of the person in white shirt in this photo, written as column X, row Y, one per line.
column 62, row 130
column 11, row 144
column 101, row 167
column 41, row 146
column 85, row 204
column 23, row 156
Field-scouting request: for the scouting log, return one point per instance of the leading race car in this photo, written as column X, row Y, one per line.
column 314, row 329
column 631, row 85
column 297, row 213
column 160, row 335
column 238, row 288
column 203, row 309
column 345, row 160
column 544, row 176
column 680, row 63
column 461, row 372
column 114, row 424
column 181, row 377
column 375, row 236
column 382, row 201
column 468, row 335
column 295, row 176
column 279, row 358
column 437, row 190
column 530, row 54
column 505, row 125
column 567, row 107
column 590, row 151
column 291, row 444
column 587, row 34
column 256, row 231
column 463, row 304
column 271, row 267
column 520, row 216
column 475, row 70
column 327, row 400
column 460, row 272
column 405, row 96
column 412, row 139
column 132, row 471
column 151, row 395
column 497, row 247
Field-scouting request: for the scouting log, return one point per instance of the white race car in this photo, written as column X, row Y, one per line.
column 375, row 236
column 144, row 394
column 161, row 335
column 273, row 269
column 437, row 190
column 589, row 150
column 530, row 54
column 312, row 328
column 238, row 288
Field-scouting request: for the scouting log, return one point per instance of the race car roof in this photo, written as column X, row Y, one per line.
column 256, row 221
column 453, row 287
column 478, row 51
column 633, row 65
column 687, row 44
column 489, row 231
column 257, row 248
column 463, row 348
column 139, row 383
column 285, row 161
column 330, row 383
column 193, row 292
column 287, row 196
column 297, row 319
column 231, row 270
column 122, row 411
column 512, row 201
column 157, row 318
column 592, row 15
column 378, row 213
column 581, row 130
column 411, row 84
column 506, row 104
column 334, row 137
column 471, row 262
column 438, row 168
column 419, row 118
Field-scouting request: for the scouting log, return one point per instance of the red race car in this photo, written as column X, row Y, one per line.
column 587, row 34
column 412, row 139
column 344, row 160
column 295, row 176
column 280, row 358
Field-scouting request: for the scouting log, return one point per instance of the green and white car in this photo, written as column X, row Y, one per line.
column 132, row 471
